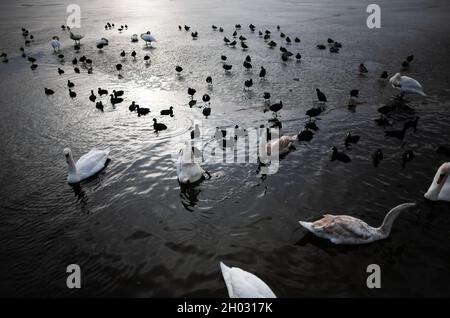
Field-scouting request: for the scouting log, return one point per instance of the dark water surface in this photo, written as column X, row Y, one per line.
column 135, row 233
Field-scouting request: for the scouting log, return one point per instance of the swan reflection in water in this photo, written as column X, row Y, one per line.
column 189, row 194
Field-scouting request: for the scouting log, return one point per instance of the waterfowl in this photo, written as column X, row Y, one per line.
column 335, row 154
column 383, row 76
column 142, row 111
column 298, row 57
column 76, row 37
column 115, row 100
column 55, row 43
column 102, row 92
column 297, row 40
column 227, row 67
column 158, row 126
column 209, row 80
column 30, row 58
column 305, row 135
column 439, row 189
column 192, row 103
column 262, row 73
column 206, row 98
column 92, row 97
column 118, row 93
column 72, row 94
column 244, row 46
column 354, row 93
column 148, row 38
column 33, row 66
column 100, row 44
column 321, row 46
column 266, row 96
column 237, row 26
column 167, row 112
column 363, row 69
column 134, row 38
column 226, row 40
column 311, row 125
column 146, row 59
column 407, row 156
column 377, row 156
column 251, row 27
column 334, row 49
column 314, row 111
column 276, row 107
column 220, row 29
column 99, row 105
column 351, row 139
column 399, row 134
column 214, row 27
column 186, row 28
column 70, row 84
column 242, row 284
column 406, row 85
column 179, row 69
column 279, row 146
column 233, row 44
column 60, row 71
column 61, row 57
column 321, row 96
column 272, row 44
column 223, row 58
column 345, row 229
column 48, row 91
column 206, row 111
column 234, row 34
column 191, row 92
column 133, row 54
column 412, row 123
column 194, row 35
column 288, row 40
column 87, row 165
column 188, row 170
column 133, row 106
column 248, row 84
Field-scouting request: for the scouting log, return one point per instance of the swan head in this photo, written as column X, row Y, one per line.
column 68, row 154
column 439, row 180
column 395, row 79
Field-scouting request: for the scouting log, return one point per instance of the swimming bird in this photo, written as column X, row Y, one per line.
column 377, row 156
column 345, row 229
column 351, row 139
column 266, row 96
column 119, row 68
column 406, row 85
column 70, row 84
column 194, row 35
column 100, row 44
column 226, row 40
column 412, row 123
column 407, row 156
column 223, row 58
column 383, row 76
column 209, row 80
column 233, row 43
column 92, row 97
column 102, row 92
column 72, row 94
column 133, row 54
column 148, row 38
column 354, row 93
column 220, row 29
column 186, row 28
column 142, row 111
column 55, row 43
column 314, row 111
column 321, row 46
column 167, row 112
column 248, row 84
column 298, row 56
column 439, row 189
column 321, row 96
column 30, row 58
column 188, row 169
column 363, row 69
column 158, row 126
column 244, row 46
column 297, row 40
column 76, row 37
column 191, row 92
column 242, row 284
column 99, row 105
column 272, row 44
column 262, row 73
column 237, row 26
column 276, row 107
column 118, row 93
column 206, row 111
column 179, row 69
column 214, row 27
column 147, row 59
column 48, row 91
column 335, row 154
column 123, row 54
column 252, row 27
column 330, row 41
column 278, row 146
column 87, row 165
column 134, row 38
column 227, row 67
column 206, row 98
column 192, row 103
column 399, row 134
column 115, row 100
column 133, row 106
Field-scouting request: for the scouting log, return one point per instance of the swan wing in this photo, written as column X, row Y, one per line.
column 242, row 284
column 411, row 85
column 92, row 162
column 188, row 171
column 444, row 194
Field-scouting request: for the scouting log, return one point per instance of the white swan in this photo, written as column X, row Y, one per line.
column 344, row 229
column 76, row 37
column 188, row 170
column 406, row 85
column 102, row 42
column 88, row 165
column 281, row 145
column 147, row 37
column 440, row 188
column 242, row 284
column 55, row 43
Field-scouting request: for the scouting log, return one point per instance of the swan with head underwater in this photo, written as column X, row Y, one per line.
column 188, row 170
column 440, row 188
column 344, row 229
column 281, row 145
column 242, row 284
column 87, row 165
column 406, row 85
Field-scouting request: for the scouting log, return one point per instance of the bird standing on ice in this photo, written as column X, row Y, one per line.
column 344, row 229
column 406, row 85
column 88, row 165
column 242, row 284
column 148, row 38
column 55, row 43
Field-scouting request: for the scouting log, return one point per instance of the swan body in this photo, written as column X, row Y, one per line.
column 102, row 42
column 87, row 165
column 76, row 37
column 242, row 284
column 55, row 43
column 147, row 37
column 344, row 229
column 188, row 170
column 282, row 145
column 406, row 84
column 440, row 188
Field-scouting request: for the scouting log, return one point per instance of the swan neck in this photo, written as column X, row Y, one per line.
column 72, row 166
column 385, row 228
